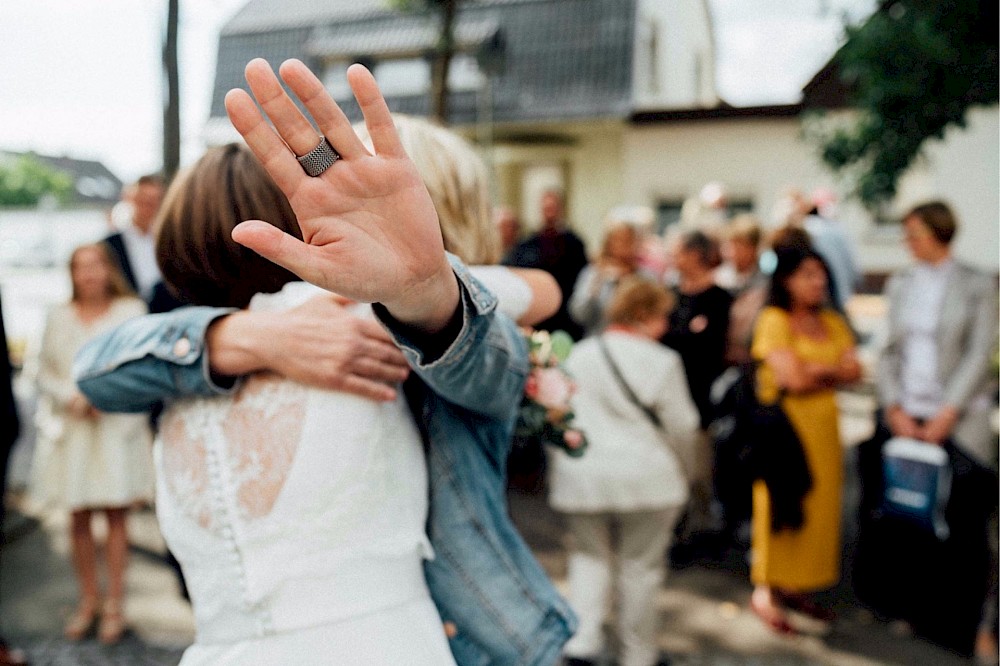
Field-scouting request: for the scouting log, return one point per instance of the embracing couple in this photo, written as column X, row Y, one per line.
column 366, row 525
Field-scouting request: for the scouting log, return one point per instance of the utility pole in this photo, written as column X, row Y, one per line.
column 171, row 105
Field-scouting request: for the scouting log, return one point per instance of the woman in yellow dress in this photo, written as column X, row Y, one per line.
column 806, row 350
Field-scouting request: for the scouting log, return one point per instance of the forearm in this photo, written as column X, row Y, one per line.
column 887, row 373
column 147, row 360
column 236, row 344
column 546, row 296
column 59, row 389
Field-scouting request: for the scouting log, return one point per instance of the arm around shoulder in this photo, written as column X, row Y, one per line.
column 546, row 296
column 148, row 359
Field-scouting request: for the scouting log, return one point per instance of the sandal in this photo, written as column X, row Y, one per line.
column 81, row 621
column 771, row 615
column 112, row 626
column 803, row 604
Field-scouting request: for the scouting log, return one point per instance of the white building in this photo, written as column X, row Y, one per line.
column 615, row 102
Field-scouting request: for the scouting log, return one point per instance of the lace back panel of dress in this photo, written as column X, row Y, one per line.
column 254, row 435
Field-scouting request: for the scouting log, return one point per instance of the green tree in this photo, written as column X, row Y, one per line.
column 913, row 69
column 25, row 181
column 443, row 52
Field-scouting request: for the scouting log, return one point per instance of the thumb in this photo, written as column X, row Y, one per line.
column 277, row 246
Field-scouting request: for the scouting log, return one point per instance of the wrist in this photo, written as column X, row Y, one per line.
column 430, row 305
column 229, row 343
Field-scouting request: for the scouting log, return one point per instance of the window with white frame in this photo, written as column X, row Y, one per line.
column 411, row 76
column 335, row 79
column 464, row 74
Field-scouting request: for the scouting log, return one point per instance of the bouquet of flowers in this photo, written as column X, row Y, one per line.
column 545, row 415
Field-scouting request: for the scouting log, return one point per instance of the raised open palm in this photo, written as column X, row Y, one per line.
column 369, row 228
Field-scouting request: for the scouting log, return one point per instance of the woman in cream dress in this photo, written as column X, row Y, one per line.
column 86, row 460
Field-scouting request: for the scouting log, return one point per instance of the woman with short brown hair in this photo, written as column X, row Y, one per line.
column 617, row 260
column 935, row 385
column 219, row 191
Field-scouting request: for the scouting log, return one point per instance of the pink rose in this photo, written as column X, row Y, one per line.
column 573, row 438
column 554, row 388
column 531, row 387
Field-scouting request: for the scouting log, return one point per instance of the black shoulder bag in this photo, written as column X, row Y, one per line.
column 629, row 393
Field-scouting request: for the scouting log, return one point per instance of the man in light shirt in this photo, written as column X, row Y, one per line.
column 135, row 246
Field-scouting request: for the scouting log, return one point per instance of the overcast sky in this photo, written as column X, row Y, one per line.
column 83, row 77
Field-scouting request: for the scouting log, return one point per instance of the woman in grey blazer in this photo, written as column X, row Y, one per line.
column 934, row 377
column 935, row 381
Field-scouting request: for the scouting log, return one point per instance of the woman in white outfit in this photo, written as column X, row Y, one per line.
column 298, row 514
column 87, row 460
column 632, row 479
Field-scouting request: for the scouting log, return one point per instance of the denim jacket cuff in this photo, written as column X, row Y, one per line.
column 476, row 300
column 177, row 339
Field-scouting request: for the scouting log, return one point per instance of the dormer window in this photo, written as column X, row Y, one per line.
column 401, row 78
column 335, row 79
column 464, row 73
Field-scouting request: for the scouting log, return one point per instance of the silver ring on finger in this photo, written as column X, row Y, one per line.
column 319, row 159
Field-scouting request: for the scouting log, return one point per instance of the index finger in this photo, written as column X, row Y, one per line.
column 378, row 120
column 271, row 151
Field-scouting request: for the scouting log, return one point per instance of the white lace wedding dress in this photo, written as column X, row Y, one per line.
column 298, row 516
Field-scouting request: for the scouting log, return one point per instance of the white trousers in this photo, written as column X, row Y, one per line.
column 640, row 550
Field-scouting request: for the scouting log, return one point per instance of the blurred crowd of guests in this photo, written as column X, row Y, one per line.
column 678, row 316
column 661, row 316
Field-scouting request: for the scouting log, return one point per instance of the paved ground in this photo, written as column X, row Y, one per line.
column 703, row 606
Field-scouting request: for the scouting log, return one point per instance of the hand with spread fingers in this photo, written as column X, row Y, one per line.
column 369, row 228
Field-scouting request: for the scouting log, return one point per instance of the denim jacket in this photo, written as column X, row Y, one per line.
column 484, row 578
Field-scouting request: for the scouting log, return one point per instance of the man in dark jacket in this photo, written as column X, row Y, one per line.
column 135, row 247
column 558, row 251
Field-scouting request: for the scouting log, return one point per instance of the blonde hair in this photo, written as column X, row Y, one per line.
column 117, row 284
column 745, row 227
column 638, row 299
column 458, row 182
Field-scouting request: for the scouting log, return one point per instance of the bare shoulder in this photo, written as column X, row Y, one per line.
column 129, row 306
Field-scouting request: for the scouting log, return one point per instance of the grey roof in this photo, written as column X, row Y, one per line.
column 268, row 15
column 404, row 35
column 563, row 59
column 93, row 183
